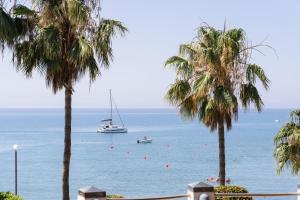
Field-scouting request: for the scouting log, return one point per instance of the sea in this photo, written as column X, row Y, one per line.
column 182, row 152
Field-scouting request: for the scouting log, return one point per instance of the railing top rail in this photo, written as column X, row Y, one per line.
column 154, row 198
column 256, row 194
column 216, row 194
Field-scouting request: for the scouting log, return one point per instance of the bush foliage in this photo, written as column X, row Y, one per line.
column 9, row 196
column 113, row 196
column 231, row 189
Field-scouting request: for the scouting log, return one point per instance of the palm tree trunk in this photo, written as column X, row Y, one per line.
column 67, row 142
column 222, row 173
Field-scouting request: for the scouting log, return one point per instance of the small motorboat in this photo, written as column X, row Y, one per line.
column 145, row 140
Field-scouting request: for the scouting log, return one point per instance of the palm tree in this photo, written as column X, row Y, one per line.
column 63, row 40
column 287, row 145
column 213, row 73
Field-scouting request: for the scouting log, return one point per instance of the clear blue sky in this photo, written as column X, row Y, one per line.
column 157, row 27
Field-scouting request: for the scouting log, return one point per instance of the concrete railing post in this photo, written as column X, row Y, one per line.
column 200, row 191
column 91, row 193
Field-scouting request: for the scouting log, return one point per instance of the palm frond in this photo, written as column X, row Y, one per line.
column 7, row 28
column 254, row 71
column 249, row 94
column 175, row 60
column 202, row 85
column 188, row 107
column 82, row 57
column 178, row 92
column 41, row 53
column 49, row 41
column 287, row 147
column 187, row 50
column 182, row 67
column 102, row 40
column 78, row 12
column 210, row 115
column 23, row 11
column 25, row 27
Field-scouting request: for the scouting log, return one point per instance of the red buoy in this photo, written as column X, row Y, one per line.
column 228, row 180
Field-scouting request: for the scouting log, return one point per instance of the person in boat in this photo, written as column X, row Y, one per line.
column 145, row 137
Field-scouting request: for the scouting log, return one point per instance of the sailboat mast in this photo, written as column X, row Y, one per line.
column 110, row 104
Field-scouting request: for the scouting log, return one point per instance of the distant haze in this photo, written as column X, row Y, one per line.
column 156, row 28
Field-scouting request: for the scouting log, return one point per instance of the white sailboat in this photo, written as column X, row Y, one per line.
column 109, row 126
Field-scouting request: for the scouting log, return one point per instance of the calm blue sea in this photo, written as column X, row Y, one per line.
column 117, row 164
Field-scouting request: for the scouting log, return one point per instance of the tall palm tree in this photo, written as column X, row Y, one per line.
column 63, row 40
column 287, row 145
column 213, row 73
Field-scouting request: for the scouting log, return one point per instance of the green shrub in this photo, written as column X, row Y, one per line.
column 9, row 196
column 231, row 189
column 113, row 196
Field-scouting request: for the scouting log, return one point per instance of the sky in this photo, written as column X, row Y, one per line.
column 137, row 75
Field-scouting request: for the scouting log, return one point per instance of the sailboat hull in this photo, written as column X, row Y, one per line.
column 112, row 130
